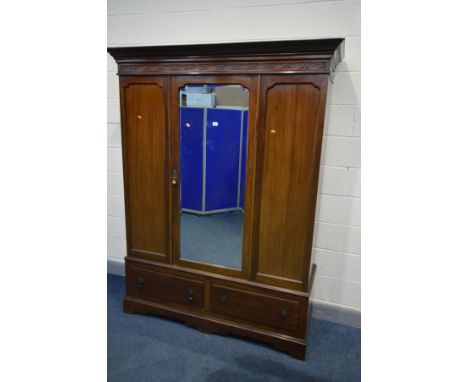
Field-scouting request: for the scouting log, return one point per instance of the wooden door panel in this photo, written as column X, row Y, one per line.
column 291, row 140
column 146, row 181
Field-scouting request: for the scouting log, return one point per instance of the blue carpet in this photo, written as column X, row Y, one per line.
column 213, row 239
column 149, row 348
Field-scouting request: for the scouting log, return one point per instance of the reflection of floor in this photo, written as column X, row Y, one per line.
column 215, row 239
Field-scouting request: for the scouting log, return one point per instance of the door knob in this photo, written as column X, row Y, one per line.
column 174, row 178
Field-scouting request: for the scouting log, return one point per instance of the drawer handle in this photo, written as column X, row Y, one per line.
column 190, row 294
column 283, row 314
column 222, row 299
column 140, row 283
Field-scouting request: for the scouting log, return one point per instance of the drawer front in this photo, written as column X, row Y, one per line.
column 255, row 307
column 162, row 287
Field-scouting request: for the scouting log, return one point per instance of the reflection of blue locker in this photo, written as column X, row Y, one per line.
column 220, row 136
column 222, row 158
column 191, row 157
column 245, row 121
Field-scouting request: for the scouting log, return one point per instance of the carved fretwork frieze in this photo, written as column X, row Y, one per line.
column 238, row 67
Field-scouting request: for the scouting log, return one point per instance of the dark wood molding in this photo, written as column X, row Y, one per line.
column 195, row 68
column 301, row 56
column 243, row 49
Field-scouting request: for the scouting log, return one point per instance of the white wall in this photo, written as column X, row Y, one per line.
column 337, row 243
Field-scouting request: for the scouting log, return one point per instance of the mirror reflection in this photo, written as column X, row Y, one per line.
column 213, row 150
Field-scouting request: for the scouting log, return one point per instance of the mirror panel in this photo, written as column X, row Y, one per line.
column 213, row 149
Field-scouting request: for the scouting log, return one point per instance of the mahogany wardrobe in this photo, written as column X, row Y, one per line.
column 221, row 150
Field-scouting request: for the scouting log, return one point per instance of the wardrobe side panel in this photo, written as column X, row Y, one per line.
column 291, row 139
column 146, row 177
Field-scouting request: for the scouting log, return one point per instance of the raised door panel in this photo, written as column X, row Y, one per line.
column 145, row 164
column 291, row 135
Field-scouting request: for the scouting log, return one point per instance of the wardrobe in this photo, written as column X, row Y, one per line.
column 220, row 197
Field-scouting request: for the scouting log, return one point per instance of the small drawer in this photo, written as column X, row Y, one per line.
column 162, row 287
column 255, row 307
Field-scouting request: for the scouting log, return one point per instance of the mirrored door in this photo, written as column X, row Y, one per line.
column 213, row 141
